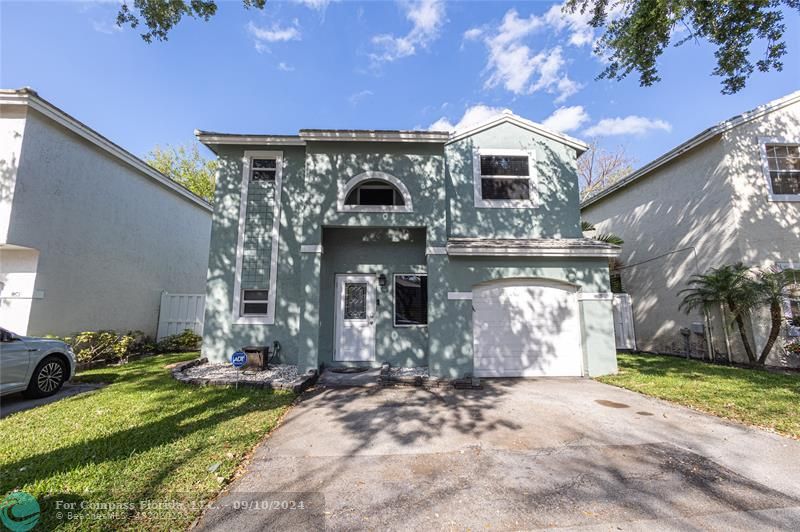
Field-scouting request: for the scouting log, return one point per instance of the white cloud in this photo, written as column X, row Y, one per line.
column 276, row 33
column 427, row 18
column 356, row 98
column 473, row 115
column 580, row 32
column 473, row 34
column 317, row 5
column 103, row 26
column 285, row 67
column 567, row 118
column 521, row 70
column 629, row 125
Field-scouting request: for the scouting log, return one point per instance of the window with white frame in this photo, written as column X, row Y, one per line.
column 410, row 300
column 782, row 168
column 263, row 169
column 503, row 178
column 375, row 192
column 255, row 303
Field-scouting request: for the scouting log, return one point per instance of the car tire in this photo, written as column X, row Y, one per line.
column 47, row 378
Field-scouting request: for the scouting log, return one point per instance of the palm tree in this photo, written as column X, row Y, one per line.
column 608, row 238
column 729, row 285
column 770, row 289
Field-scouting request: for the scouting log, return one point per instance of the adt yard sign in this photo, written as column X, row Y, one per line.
column 239, row 359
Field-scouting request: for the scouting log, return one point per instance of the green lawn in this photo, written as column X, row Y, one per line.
column 143, row 437
column 755, row 397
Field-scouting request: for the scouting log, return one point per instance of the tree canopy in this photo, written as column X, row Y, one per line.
column 187, row 167
column 638, row 31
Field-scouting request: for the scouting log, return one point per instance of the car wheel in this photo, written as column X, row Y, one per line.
column 47, row 378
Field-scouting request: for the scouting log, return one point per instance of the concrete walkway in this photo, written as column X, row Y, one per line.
column 519, row 454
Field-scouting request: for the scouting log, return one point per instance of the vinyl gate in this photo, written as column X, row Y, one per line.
column 623, row 322
column 179, row 312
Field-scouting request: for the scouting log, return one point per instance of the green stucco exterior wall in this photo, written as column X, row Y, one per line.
column 317, row 241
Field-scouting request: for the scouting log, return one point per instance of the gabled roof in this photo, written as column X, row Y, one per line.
column 510, row 118
column 29, row 97
column 694, row 142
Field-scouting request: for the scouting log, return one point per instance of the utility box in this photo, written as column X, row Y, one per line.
column 257, row 357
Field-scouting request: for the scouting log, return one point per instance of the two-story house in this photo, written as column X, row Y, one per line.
column 461, row 252
column 729, row 194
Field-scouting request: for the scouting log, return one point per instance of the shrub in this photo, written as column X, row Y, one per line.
column 110, row 346
column 90, row 346
column 793, row 347
column 185, row 341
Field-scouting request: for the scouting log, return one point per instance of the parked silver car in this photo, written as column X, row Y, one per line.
column 36, row 366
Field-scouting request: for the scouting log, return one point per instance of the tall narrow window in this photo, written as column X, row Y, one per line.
column 255, row 302
column 263, row 169
column 410, row 300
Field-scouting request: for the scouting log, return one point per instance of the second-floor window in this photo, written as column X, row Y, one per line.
column 375, row 193
column 783, row 169
column 263, row 169
column 503, row 179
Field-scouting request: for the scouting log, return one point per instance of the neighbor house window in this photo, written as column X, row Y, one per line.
column 410, row 300
column 503, row 179
column 263, row 169
column 782, row 167
column 375, row 193
column 255, row 302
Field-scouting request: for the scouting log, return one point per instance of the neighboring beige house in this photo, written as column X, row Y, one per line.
column 90, row 235
column 731, row 193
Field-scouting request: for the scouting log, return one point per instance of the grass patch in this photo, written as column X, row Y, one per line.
column 751, row 396
column 143, row 437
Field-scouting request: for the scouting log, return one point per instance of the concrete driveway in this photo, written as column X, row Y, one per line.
column 519, row 454
column 11, row 404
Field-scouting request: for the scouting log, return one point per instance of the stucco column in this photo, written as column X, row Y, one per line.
column 449, row 323
column 308, row 346
column 597, row 337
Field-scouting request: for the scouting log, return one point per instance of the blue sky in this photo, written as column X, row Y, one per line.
column 384, row 65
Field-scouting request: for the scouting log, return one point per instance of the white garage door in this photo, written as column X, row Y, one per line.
column 525, row 328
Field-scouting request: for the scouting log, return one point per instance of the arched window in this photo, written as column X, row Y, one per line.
column 374, row 192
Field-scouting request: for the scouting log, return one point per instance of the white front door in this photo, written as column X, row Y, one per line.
column 355, row 318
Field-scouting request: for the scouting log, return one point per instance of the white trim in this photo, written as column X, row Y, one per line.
column 533, row 252
column 481, row 203
column 436, row 250
column 35, row 102
column 364, row 135
column 311, row 248
column 209, row 137
column 459, row 295
column 269, row 318
column 394, row 303
column 508, row 116
column 695, row 141
column 595, row 296
column 346, row 188
column 762, row 148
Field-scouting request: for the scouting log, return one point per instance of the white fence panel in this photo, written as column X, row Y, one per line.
column 623, row 322
column 179, row 312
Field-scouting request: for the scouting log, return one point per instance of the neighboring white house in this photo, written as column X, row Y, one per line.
column 90, row 235
column 729, row 194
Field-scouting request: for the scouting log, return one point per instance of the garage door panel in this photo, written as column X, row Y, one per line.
column 526, row 330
